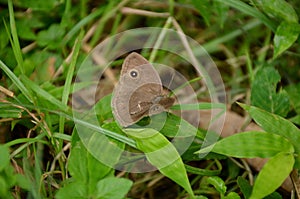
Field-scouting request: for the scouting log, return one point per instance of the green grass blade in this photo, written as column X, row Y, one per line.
column 213, row 45
column 243, row 7
column 68, row 82
column 199, row 106
column 82, row 23
column 16, row 81
column 15, row 40
column 44, row 94
column 110, row 11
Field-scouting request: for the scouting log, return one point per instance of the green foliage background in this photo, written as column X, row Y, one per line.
column 254, row 43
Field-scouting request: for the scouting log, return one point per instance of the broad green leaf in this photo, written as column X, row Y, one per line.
column 84, row 167
column 4, row 41
column 103, row 108
column 162, row 154
column 3, row 187
column 105, row 149
column 25, row 29
column 275, row 124
column 23, row 181
column 86, row 170
column 232, row 195
column 52, row 37
column 285, row 36
column 113, row 187
column 251, row 144
column 272, row 175
column 73, row 190
column 293, row 91
column 9, row 176
column 175, row 126
column 4, row 157
column 264, row 95
column 280, row 9
column 245, row 187
column 233, row 169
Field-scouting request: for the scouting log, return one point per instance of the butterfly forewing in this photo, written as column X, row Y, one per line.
column 137, row 90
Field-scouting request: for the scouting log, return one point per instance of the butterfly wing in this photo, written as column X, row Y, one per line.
column 142, row 99
column 139, row 83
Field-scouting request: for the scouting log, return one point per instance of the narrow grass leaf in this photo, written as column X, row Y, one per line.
column 162, row 154
column 275, row 124
column 222, row 10
column 82, row 23
column 101, row 130
column 218, row 183
column 16, row 81
column 44, row 94
column 15, row 40
column 245, row 8
column 251, row 144
column 27, row 141
column 199, row 106
column 38, row 5
column 203, row 172
column 110, row 11
column 8, row 111
column 204, row 9
column 272, row 175
column 61, row 136
column 213, row 45
column 69, row 77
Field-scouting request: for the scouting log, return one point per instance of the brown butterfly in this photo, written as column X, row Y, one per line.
column 139, row 92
